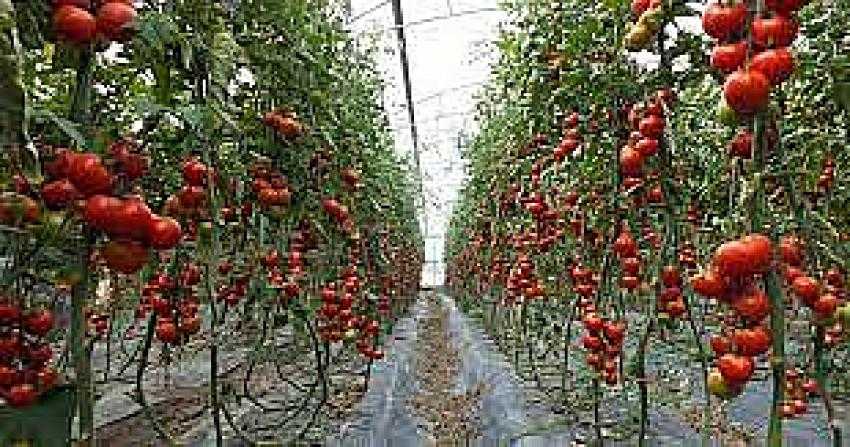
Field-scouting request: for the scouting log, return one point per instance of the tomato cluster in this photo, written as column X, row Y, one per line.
column 797, row 389
column 626, row 249
column 731, row 279
column 74, row 22
column 603, row 339
column 647, row 123
column 74, row 176
column 25, row 353
column 174, row 303
column 269, row 185
column 341, row 315
column 522, row 281
column 284, row 122
column 571, row 139
column 751, row 67
column 828, row 302
column 650, row 16
column 339, row 213
column 129, row 223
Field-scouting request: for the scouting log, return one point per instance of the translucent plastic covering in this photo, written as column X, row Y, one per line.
column 449, row 50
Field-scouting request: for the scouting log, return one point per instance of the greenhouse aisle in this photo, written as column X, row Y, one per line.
column 443, row 380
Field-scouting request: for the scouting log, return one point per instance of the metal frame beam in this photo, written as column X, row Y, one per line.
column 408, row 93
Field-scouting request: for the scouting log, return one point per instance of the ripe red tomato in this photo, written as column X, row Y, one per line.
column 194, row 172
column 58, row 194
column 777, row 64
column 164, row 233
column 652, row 126
column 22, row 395
column 625, row 245
column 792, row 273
column 753, row 341
column 720, row 345
column 614, row 332
column 58, row 167
column 10, row 346
column 39, row 322
column 350, row 176
column 670, row 276
column 631, row 266
column 88, row 175
column 742, row 145
column 631, row 161
column 9, row 311
column 735, row 368
column 806, row 288
column 592, row 343
column 732, row 259
column 191, row 197
column 115, row 20
column 810, row 386
column 572, row 120
column 7, row 375
column 676, row 308
column 752, row 305
column 784, row 7
column 776, row 31
column 166, row 331
column 791, row 250
column 593, row 323
column 759, row 252
column 47, row 378
column 630, row 282
column 729, row 57
column 39, row 355
column 190, row 325
column 289, row 127
column 125, row 256
column 746, row 91
column 134, row 166
column 639, row 7
column 721, row 21
column 647, row 146
column 100, row 209
column 131, row 220
column 73, row 24
column 825, row 306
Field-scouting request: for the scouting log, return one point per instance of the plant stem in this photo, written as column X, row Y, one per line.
column 823, row 386
column 79, row 348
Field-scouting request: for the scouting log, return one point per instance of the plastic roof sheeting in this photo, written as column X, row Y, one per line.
column 449, row 52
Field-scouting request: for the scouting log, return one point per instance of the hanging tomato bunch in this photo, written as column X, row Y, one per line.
column 798, row 388
column 571, row 139
column 284, row 122
column 270, row 186
column 603, row 340
column 647, row 123
column 25, row 352
column 756, row 61
column 731, row 279
column 74, row 22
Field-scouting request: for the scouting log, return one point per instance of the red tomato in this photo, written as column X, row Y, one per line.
column 736, row 369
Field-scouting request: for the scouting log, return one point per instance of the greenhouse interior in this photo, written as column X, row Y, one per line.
column 424, row 223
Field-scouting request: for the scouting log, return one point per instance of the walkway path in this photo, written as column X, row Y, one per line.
column 441, row 382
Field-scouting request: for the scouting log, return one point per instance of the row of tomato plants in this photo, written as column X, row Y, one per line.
column 601, row 193
column 191, row 181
